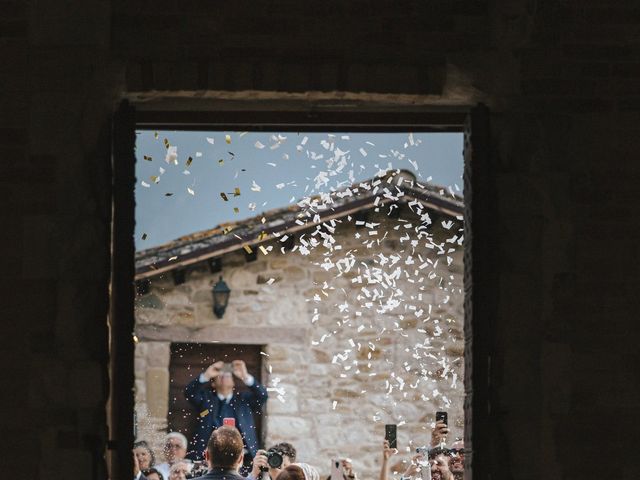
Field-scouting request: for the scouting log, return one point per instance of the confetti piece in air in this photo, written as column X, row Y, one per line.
column 262, row 235
column 173, row 258
column 221, row 162
column 224, row 196
column 259, row 145
column 263, row 250
column 155, row 135
column 147, row 158
column 363, row 152
column 172, row 155
column 247, row 249
column 154, row 179
column 190, row 190
column 186, row 172
column 227, row 138
column 270, row 281
column 189, row 160
column 168, row 194
column 255, row 187
column 236, row 192
column 144, row 236
column 166, row 143
column 335, row 404
column 198, row 154
column 145, row 184
column 210, row 140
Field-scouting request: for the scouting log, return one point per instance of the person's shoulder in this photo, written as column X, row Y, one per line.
column 221, row 476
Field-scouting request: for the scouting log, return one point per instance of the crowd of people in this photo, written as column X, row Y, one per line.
column 225, row 445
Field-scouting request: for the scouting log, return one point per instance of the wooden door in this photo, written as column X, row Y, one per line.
column 188, row 360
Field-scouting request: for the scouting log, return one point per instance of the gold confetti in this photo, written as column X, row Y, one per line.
column 236, row 192
column 221, row 162
column 236, row 210
column 247, row 249
column 189, row 160
column 227, row 229
column 262, row 235
column 263, row 250
column 154, row 178
column 227, row 138
column 147, row 158
column 144, row 236
column 155, row 134
column 224, row 196
column 166, row 143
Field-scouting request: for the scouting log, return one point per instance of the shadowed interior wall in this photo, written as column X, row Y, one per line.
column 562, row 79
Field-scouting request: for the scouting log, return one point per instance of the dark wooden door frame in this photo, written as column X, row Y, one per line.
column 479, row 203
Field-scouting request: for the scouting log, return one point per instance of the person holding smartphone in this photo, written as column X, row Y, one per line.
column 214, row 397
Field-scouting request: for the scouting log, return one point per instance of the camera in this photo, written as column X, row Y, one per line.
column 199, row 468
column 274, row 459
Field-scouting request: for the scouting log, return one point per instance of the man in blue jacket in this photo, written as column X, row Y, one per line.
column 214, row 398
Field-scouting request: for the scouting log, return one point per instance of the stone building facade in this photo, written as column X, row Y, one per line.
column 340, row 371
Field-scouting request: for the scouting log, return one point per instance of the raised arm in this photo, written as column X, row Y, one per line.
column 194, row 392
column 387, row 452
column 257, row 394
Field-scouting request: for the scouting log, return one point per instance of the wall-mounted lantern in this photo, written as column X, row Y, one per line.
column 221, row 293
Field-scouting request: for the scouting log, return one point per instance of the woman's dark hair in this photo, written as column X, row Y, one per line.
column 292, row 472
column 149, row 471
column 286, row 449
column 145, row 445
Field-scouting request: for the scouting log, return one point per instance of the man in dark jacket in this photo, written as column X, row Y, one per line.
column 214, row 397
column 224, row 455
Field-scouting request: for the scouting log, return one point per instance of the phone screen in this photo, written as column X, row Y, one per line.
column 391, row 435
column 229, row 421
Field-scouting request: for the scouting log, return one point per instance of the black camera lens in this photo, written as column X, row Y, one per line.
column 274, row 459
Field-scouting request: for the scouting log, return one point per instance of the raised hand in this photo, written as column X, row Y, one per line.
column 240, row 370
column 439, row 434
column 213, row 370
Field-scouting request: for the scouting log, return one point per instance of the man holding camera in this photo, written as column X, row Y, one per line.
column 214, row 396
column 268, row 464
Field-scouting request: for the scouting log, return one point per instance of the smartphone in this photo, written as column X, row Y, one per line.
column 229, row 421
column 442, row 417
column 391, row 435
column 336, row 469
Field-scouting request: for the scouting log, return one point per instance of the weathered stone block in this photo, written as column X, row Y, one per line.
column 157, row 392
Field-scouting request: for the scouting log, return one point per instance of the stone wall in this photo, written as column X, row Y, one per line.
column 561, row 79
column 330, row 406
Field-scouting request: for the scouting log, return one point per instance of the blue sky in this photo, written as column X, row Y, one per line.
column 284, row 167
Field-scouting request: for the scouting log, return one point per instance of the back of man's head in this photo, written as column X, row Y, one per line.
column 225, row 448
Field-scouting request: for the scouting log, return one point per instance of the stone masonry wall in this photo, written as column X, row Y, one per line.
column 330, row 407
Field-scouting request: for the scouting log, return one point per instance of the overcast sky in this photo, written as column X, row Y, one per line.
column 284, row 167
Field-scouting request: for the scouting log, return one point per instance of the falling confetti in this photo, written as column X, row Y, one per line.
column 227, row 138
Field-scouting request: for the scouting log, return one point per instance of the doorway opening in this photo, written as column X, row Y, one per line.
column 246, row 251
